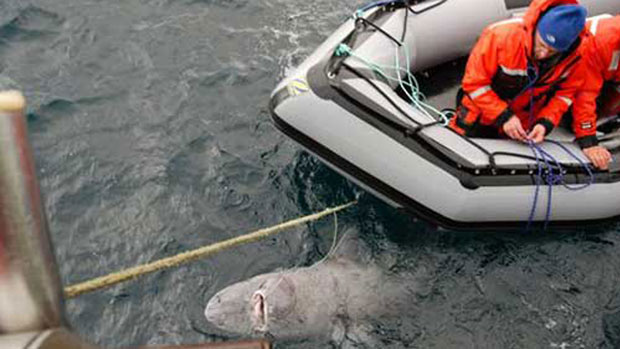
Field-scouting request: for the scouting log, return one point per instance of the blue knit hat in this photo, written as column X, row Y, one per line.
column 561, row 25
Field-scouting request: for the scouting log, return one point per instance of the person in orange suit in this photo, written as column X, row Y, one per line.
column 521, row 75
column 600, row 93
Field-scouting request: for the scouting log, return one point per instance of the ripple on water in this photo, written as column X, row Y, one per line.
column 31, row 23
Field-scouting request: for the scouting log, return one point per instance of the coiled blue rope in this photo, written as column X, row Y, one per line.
column 547, row 162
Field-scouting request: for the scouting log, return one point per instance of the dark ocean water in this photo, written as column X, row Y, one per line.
column 151, row 134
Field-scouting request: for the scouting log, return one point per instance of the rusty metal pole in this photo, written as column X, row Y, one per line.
column 30, row 292
column 31, row 306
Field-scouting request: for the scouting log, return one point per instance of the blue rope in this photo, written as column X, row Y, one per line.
column 536, row 190
column 581, row 163
column 550, row 178
column 544, row 160
column 532, row 77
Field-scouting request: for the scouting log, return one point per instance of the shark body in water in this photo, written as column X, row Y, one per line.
column 336, row 299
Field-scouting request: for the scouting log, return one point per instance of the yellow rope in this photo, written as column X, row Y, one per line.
column 184, row 257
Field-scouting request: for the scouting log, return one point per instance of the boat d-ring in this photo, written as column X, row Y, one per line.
column 360, row 23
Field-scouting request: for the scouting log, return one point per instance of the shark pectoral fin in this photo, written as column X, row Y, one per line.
column 347, row 335
column 339, row 332
column 350, row 247
column 360, row 336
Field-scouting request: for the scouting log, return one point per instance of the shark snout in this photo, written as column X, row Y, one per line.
column 213, row 312
column 246, row 307
column 230, row 310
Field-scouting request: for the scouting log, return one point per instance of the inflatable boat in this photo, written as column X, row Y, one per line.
column 355, row 104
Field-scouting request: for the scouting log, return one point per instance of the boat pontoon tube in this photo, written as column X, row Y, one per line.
column 355, row 121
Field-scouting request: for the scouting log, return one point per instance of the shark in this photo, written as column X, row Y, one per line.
column 336, row 299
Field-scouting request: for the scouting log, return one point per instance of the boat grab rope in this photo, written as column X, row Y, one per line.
column 185, row 257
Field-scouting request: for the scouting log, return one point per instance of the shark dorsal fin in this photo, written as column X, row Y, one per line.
column 350, row 247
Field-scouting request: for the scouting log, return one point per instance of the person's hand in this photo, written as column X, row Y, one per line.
column 513, row 129
column 537, row 134
column 599, row 156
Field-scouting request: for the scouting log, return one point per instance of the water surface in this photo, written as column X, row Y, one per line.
column 151, row 135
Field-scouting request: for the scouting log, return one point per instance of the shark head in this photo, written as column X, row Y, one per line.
column 259, row 306
column 300, row 302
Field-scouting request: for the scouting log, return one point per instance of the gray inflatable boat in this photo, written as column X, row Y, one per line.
column 354, row 104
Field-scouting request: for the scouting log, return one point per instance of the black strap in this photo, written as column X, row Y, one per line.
column 424, row 9
column 367, row 22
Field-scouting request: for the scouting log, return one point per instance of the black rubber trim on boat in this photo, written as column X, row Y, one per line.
column 410, row 205
column 485, row 178
column 466, row 176
column 471, row 178
column 514, row 4
column 427, row 8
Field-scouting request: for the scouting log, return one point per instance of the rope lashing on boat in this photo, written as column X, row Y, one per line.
column 407, row 130
column 410, row 86
column 547, row 162
column 417, row 96
column 552, row 178
column 188, row 256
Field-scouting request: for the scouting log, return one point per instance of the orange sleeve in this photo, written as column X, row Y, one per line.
column 481, row 68
column 564, row 97
column 584, row 109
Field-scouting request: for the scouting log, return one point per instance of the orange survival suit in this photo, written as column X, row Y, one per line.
column 502, row 78
column 601, row 63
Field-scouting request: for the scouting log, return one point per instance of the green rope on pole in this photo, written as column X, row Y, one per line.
column 408, row 82
column 184, row 257
column 342, row 50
